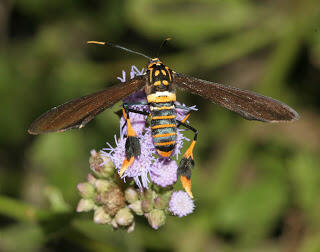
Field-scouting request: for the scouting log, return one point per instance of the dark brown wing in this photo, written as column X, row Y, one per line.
column 250, row 105
column 78, row 112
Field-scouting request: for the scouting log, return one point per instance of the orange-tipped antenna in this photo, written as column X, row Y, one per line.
column 162, row 44
column 118, row 46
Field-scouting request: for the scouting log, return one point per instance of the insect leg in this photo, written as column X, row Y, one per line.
column 126, row 108
column 187, row 162
column 132, row 146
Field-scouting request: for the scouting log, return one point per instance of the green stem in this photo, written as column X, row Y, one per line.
column 21, row 211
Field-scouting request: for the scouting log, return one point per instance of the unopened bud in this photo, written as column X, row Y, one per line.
column 131, row 195
column 102, row 185
column 91, row 179
column 162, row 200
column 114, row 223
column 101, row 217
column 136, row 207
column 103, row 167
column 112, row 200
column 86, row 190
column 124, row 217
column 147, row 205
column 156, row 218
column 131, row 227
column 85, row 205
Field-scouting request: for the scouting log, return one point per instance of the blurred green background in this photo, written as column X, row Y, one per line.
column 256, row 186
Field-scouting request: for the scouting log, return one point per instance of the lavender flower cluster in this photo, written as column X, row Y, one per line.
column 146, row 187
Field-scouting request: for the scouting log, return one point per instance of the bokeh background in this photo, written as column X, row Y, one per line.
column 256, row 185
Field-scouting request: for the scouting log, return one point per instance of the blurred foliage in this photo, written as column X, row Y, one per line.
column 256, row 185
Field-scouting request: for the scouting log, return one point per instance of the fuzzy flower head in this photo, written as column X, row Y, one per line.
column 164, row 172
column 181, row 204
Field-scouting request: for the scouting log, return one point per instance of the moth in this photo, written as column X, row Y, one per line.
column 160, row 83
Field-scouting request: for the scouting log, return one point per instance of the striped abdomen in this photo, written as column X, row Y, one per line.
column 164, row 127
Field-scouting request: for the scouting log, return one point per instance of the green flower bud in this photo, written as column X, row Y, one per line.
column 131, row 228
column 86, row 190
column 162, row 201
column 124, row 217
column 102, row 185
column 131, row 195
column 156, row 218
column 91, row 179
column 85, row 205
column 148, row 194
column 101, row 217
column 147, row 205
column 136, row 207
column 101, row 166
column 114, row 223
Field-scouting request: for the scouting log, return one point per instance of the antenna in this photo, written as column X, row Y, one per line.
column 118, row 46
column 162, row 44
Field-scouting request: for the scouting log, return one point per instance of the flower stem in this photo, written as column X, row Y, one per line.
column 22, row 211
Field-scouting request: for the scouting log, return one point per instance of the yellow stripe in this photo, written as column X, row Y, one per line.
column 163, row 117
column 164, row 153
column 170, row 77
column 162, row 108
column 165, row 135
column 165, row 143
column 156, row 73
column 153, row 98
column 166, row 83
column 163, row 72
column 151, row 75
column 161, row 126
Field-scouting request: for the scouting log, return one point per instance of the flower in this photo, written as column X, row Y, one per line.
column 116, row 204
column 164, row 172
column 181, row 204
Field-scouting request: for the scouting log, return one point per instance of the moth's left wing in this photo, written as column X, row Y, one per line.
column 78, row 112
column 250, row 105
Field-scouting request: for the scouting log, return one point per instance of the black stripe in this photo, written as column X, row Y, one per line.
column 162, row 121
column 164, row 131
column 161, row 104
column 165, row 139
column 166, row 148
column 163, row 112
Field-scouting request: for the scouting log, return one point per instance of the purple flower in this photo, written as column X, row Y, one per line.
column 164, row 172
column 181, row 204
column 141, row 166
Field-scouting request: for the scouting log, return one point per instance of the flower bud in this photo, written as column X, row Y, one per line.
column 131, row 195
column 148, row 194
column 131, row 228
column 136, row 207
column 102, row 185
column 112, row 200
column 147, row 205
column 124, row 217
column 101, row 166
column 114, row 223
column 86, row 190
column 85, row 205
column 101, row 217
column 156, row 218
column 162, row 201
column 91, row 179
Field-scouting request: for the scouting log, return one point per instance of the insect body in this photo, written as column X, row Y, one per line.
column 159, row 84
column 161, row 99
